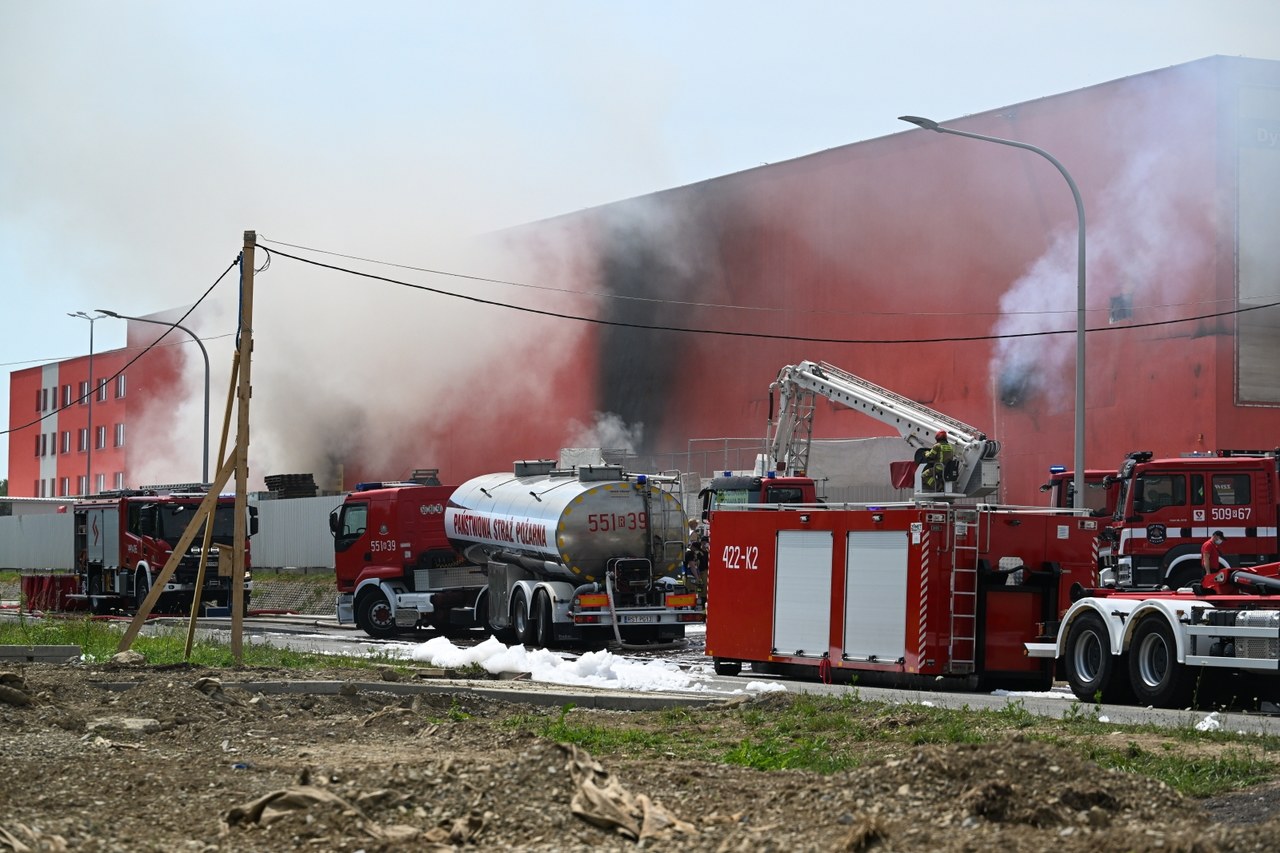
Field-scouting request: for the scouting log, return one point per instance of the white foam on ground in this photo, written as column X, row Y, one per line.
column 593, row 669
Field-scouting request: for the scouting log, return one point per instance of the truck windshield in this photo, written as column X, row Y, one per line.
column 172, row 520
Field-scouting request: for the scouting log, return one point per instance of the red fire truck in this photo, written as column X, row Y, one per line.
column 902, row 594
column 552, row 555
column 124, row 538
column 1162, row 510
column 394, row 565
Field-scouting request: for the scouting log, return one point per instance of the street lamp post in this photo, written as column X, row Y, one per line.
column 204, row 461
column 93, row 392
column 1078, row 461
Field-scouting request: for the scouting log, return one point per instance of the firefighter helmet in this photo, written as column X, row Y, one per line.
column 942, row 435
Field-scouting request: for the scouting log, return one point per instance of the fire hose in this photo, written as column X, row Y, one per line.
column 617, row 633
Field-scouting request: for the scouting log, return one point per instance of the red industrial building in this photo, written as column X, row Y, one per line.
column 944, row 269
column 940, row 267
column 66, row 440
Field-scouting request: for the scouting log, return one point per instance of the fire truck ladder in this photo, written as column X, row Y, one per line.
column 966, row 544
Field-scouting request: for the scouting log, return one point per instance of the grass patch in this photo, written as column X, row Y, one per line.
column 99, row 640
column 826, row 734
column 1195, row 776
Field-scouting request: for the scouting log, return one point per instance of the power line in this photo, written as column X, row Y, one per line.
column 55, row 359
column 762, row 335
column 686, row 304
column 127, row 364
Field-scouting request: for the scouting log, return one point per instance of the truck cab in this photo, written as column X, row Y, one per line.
column 393, row 563
column 730, row 488
column 1166, row 508
column 1099, row 497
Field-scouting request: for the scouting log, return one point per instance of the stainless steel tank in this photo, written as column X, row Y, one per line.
column 572, row 521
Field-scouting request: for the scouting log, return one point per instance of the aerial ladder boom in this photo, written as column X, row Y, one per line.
column 977, row 468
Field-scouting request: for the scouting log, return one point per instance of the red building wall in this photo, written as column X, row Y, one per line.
column 901, row 258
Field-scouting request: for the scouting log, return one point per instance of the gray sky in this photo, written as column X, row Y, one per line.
column 138, row 140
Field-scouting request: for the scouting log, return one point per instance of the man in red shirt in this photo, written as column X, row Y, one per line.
column 1211, row 554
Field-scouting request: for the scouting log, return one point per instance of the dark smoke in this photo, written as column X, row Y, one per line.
column 652, row 251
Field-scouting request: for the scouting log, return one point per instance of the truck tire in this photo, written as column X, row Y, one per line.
column 727, row 667
column 1092, row 671
column 94, row 587
column 1187, row 573
column 373, row 615
column 141, row 586
column 1154, row 672
column 544, row 628
column 520, row 620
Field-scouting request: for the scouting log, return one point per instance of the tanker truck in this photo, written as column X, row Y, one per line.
column 542, row 555
column 576, row 554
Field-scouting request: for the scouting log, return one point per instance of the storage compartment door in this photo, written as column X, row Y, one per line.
column 102, row 543
column 875, row 589
column 802, row 599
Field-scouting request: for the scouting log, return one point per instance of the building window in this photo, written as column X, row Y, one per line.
column 66, row 395
column 102, row 390
column 119, row 386
column 66, row 439
column 84, row 393
column 84, row 441
column 38, row 445
column 102, row 482
column 80, row 485
column 1121, row 308
column 38, row 489
column 66, row 487
column 119, row 480
column 44, row 445
column 44, row 399
column 119, row 435
column 100, row 442
column 37, row 399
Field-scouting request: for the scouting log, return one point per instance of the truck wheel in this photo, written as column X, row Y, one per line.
column 141, row 586
column 1185, row 576
column 727, row 667
column 1154, row 672
column 1092, row 671
column 520, row 619
column 97, row 607
column 373, row 615
column 544, row 631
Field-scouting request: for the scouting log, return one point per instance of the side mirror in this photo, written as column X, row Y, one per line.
column 333, row 521
column 253, row 521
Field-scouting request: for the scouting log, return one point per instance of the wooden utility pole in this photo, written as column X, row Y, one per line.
column 243, row 393
column 238, row 463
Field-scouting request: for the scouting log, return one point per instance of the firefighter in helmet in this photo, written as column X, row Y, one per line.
column 936, row 459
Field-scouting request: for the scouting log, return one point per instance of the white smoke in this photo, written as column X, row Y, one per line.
column 1143, row 235
column 608, row 432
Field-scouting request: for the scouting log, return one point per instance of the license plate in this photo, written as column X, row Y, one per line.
column 634, row 620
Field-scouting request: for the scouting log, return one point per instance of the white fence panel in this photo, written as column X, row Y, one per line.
column 294, row 533
column 44, row 541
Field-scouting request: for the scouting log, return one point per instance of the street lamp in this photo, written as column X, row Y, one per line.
column 930, row 124
column 204, row 472
column 93, row 392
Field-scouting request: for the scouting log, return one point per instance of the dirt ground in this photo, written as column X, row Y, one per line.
column 185, row 760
